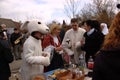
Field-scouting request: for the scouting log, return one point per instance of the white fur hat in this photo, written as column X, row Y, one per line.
column 105, row 28
column 35, row 25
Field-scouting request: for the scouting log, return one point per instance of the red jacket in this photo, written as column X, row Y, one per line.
column 48, row 40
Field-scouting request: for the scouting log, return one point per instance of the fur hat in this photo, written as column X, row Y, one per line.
column 105, row 28
column 34, row 25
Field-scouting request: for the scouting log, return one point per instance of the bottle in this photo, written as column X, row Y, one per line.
column 90, row 63
column 82, row 62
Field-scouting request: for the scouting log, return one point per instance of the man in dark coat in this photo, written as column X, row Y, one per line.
column 16, row 41
column 6, row 57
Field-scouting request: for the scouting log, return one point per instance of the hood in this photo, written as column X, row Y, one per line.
column 35, row 25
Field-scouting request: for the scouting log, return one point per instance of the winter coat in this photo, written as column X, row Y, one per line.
column 33, row 61
column 5, row 43
column 57, row 60
column 92, row 44
column 14, row 37
column 107, row 65
column 6, row 57
column 71, row 41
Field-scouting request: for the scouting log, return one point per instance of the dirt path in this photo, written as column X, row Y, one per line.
column 15, row 67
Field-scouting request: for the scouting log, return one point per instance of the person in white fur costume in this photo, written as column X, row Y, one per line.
column 34, row 59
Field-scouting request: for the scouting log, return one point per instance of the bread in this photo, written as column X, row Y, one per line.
column 64, row 75
column 69, row 75
column 39, row 77
column 54, row 75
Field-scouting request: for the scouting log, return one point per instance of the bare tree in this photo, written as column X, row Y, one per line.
column 102, row 10
column 71, row 8
column 87, row 12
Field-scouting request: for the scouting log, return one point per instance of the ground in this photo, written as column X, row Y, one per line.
column 15, row 67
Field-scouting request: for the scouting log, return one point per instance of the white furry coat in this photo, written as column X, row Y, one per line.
column 71, row 42
column 33, row 62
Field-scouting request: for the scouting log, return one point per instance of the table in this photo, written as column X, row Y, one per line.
column 51, row 72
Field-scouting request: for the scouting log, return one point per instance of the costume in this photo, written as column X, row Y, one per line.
column 106, row 65
column 32, row 56
column 71, row 41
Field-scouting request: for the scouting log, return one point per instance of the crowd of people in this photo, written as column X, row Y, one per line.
column 52, row 47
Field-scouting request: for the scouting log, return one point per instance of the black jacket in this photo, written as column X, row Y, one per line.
column 107, row 65
column 6, row 57
column 15, row 36
column 93, row 43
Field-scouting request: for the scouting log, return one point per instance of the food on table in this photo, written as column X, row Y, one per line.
column 39, row 77
column 66, row 74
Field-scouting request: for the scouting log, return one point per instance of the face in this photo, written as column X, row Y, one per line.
column 86, row 27
column 16, row 31
column 38, row 35
column 101, row 27
column 56, row 32
column 74, row 26
column 4, row 28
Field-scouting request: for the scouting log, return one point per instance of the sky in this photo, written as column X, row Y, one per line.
column 45, row 10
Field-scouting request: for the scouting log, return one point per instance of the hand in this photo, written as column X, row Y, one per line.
column 58, row 48
column 82, row 41
column 5, row 38
column 44, row 54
